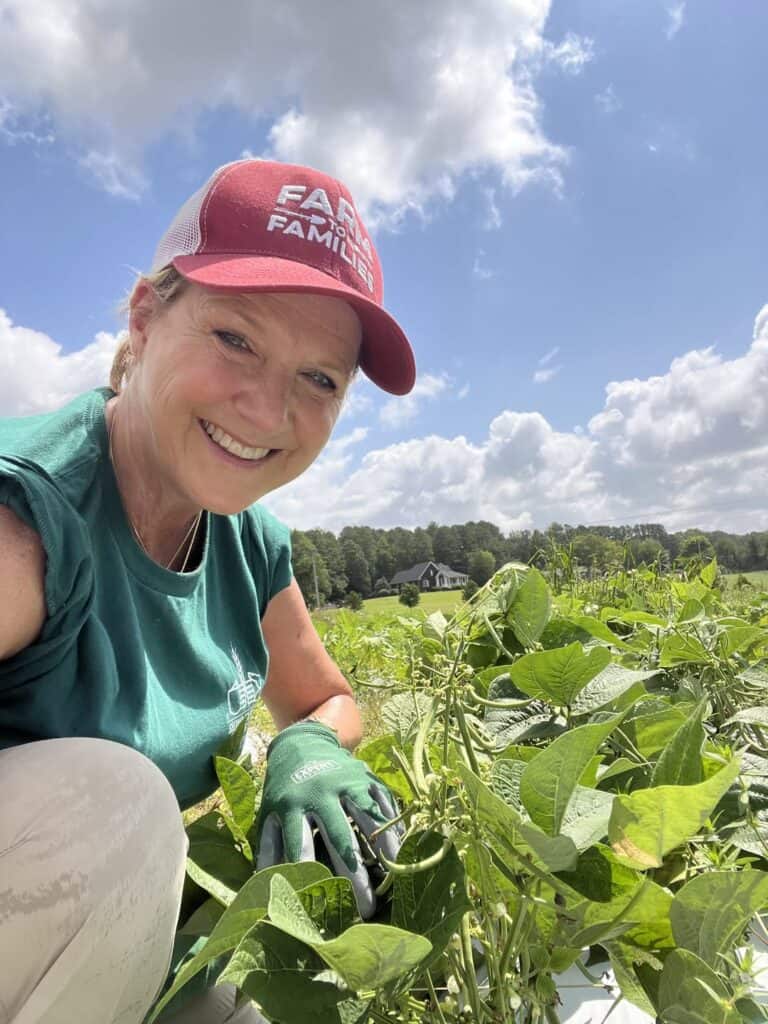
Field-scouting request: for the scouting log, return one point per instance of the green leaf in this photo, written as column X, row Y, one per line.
column 680, row 761
column 692, row 609
column 284, row 976
column 608, row 686
column 366, row 956
column 587, row 816
column 402, row 714
column 204, row 919
column 287, row 912
column 549, row 780
column 741, row 638
column 239, row 791
column 691, row 993
column 558, row 675
column 376, row 754
column 711, row 912
column 647, row 824
column 651, row 724
column 213, row 860
column 371, row 955
column 530, row 609
column 432, row 902
column 751, row 716
column 708, row 574
column 247, row 908
column 434, row 626
column 681, row 649
column 514, row 840
column 626, row 978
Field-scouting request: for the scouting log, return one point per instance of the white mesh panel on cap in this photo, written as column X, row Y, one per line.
column 183, row 236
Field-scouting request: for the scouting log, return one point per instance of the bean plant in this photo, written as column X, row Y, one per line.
column 583, row 777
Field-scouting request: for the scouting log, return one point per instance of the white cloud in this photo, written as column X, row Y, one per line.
column 608, row 101
column 14, row 128
column 493, row 219
column 545, row 375
column 397, row 411
column 115, row 176
column 481, row 272
column 36, row 375
column 408, row 104
column 688, row 447
column 676, row 15
column 571, row 55
column 549, row 356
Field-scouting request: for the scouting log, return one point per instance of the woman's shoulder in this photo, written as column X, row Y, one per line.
column 66, row 444
column 261, row 527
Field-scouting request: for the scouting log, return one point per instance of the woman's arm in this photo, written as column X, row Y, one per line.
column 22, row 584
column 302, row 678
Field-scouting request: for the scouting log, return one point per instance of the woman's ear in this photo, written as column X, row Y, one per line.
column 143, row 307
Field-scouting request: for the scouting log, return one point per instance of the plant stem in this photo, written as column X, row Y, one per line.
column 471, row 977
column 433, row 997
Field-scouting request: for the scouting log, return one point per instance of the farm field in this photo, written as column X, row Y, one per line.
column 436, row 601
column 583, row 777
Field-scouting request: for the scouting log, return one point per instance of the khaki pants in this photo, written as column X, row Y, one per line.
column 92, row 858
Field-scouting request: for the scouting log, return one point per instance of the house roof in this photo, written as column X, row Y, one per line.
column 414, row 574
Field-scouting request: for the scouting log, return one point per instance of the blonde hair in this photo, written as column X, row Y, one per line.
column 167, row 284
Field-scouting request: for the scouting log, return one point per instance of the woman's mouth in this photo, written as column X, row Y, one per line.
column 229, row 446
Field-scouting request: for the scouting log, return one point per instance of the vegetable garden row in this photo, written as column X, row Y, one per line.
column 584, row 781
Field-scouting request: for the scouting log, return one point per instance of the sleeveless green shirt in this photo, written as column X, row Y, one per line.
column 166, row 663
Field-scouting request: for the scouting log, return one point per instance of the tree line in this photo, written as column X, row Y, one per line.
column 363, row 560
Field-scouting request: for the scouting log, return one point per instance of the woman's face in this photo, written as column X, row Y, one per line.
column 240, row 392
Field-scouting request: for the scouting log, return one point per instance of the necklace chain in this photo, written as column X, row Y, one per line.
column 190, row 535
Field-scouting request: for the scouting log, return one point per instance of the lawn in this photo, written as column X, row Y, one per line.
column 441, row 600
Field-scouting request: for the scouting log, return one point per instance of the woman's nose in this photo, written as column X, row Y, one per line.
column 265, row 403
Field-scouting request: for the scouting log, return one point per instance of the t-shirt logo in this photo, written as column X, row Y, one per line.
column 243, row 693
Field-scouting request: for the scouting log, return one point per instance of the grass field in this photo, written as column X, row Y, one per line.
column 441, row 600
column 759, row 580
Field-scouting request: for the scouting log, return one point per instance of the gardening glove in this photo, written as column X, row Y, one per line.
column 311, row 780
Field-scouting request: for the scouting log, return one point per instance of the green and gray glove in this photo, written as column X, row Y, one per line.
column 312, row 780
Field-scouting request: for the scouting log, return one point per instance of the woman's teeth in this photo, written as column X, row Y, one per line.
column 229, row 444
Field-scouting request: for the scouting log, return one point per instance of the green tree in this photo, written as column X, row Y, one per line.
column 353, row 601
column 356, row 567
column 384, row 560
column 328, row 546
column 470, row 588
column 447, row 546
column 696, row 546
column 308, row 566
column 410, row 595
column 480, row 566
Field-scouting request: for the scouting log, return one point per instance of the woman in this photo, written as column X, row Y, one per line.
column 147, row 602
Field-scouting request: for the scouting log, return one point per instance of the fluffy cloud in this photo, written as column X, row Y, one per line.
column 35, row 375
column 685, row 448
column 413, row 97
column 397, row 411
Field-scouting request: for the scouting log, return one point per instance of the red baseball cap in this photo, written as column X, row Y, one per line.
column 260, row 226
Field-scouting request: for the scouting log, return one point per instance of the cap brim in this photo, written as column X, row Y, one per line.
column 386, row 356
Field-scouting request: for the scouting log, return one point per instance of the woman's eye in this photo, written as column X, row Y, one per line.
column 322, row 380
column 232, row 340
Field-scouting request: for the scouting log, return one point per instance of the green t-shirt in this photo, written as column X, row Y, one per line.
column 166, row 663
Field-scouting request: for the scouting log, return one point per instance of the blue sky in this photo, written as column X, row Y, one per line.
column 567, row 197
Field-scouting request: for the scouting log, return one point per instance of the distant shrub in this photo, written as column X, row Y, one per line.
column 470, row 588
column 410, row 595
column 353, row 601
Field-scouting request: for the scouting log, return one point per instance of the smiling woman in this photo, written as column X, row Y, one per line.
column 149, row 599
